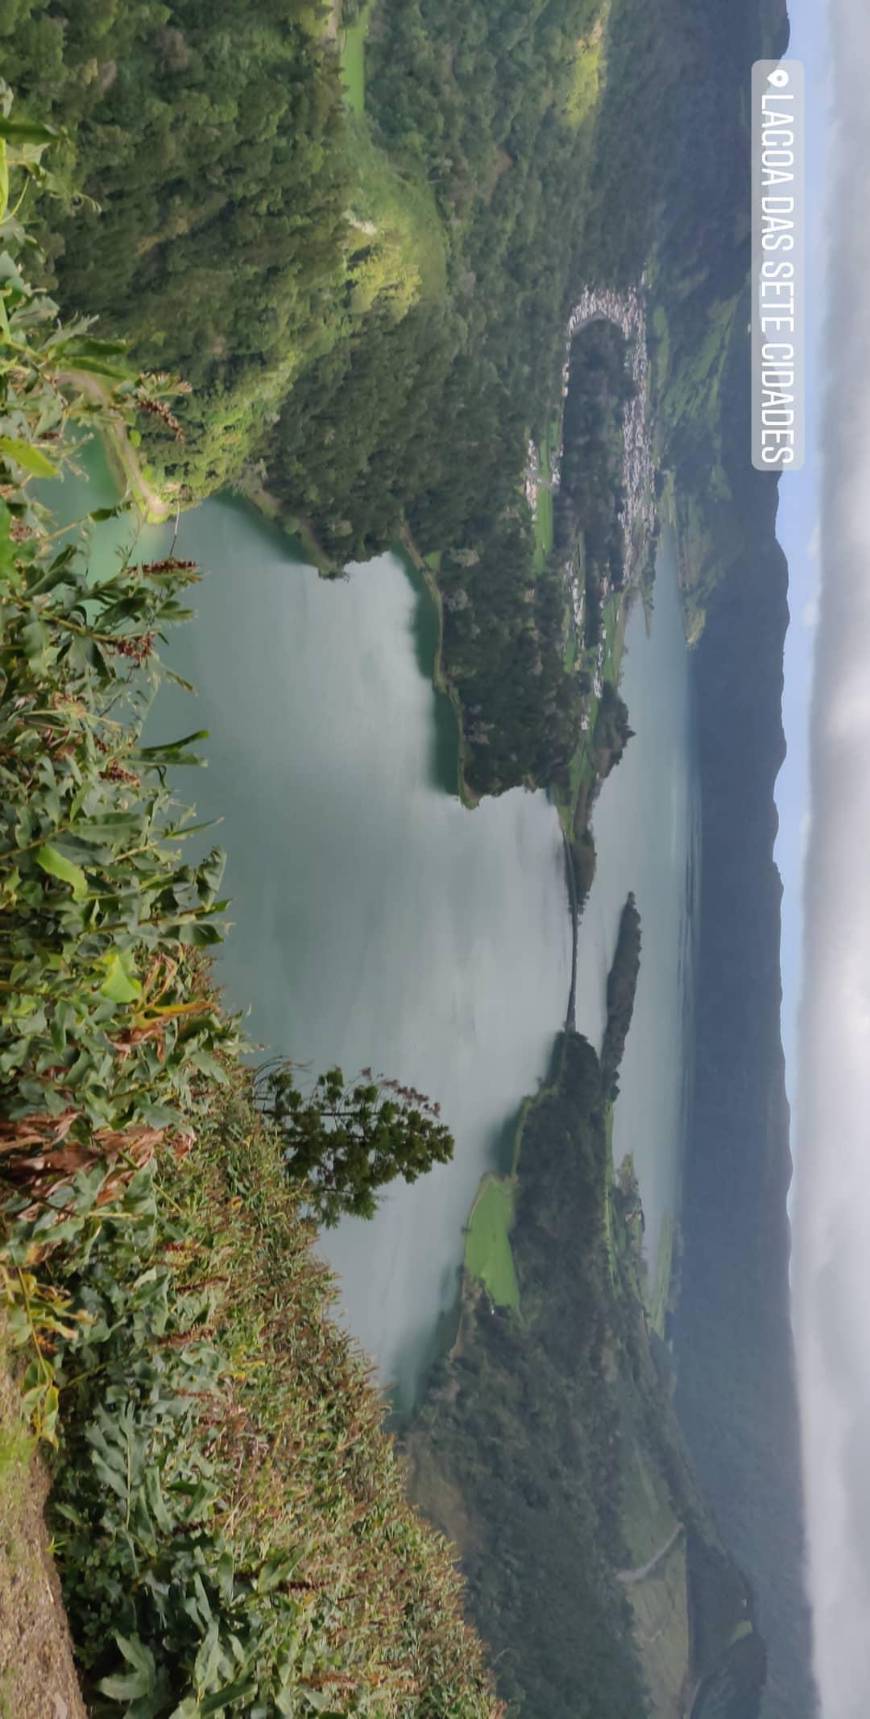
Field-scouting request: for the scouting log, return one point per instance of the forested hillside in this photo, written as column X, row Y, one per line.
column 548, row 1449
column 365, row 273
column 737, row 1391
column 206, row 193
column 369, row 305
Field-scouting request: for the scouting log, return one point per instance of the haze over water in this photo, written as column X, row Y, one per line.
column 646, row 824
column 377, row 922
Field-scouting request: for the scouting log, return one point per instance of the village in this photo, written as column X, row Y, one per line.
column 627, row 311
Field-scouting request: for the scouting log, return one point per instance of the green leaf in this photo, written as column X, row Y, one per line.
column 35, row 640
column 173, row 751
column 208, row 1660
column 113, row 830
column 194, row 934
column 98, row 367
column 140, row 1681
column 238, row 1691
column 90, row 348
column 26, row 131
column 24, row 454
column 51, row 860
column 120, row 984
column 209, row 875
column 48, row 1414
column 9, row 272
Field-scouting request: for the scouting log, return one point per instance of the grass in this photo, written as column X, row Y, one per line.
column 543, row 526
column 488, row 1255
column 659, row 1603
column 401, row 235
column 647, row 1513
column 695, row 377
column 660, row 1614
column 615, row 615
column 661, row 1290
column 587, row 73
column 544, row 510
column 353, row 60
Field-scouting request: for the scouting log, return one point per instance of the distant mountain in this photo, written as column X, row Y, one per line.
column 736, row 1397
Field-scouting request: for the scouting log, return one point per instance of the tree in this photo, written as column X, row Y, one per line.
column 343, row 1142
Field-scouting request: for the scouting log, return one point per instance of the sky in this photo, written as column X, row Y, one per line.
column 825, row 526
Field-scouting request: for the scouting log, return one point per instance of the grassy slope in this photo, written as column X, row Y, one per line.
column 574, row 1257
column 353, row 59
column 307, row 1473
column 595, row 1393
column 488, row 1254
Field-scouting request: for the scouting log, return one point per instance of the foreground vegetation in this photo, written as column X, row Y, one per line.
column 229, row 1519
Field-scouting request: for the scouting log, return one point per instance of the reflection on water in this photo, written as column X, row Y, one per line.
column 376, row 921
column 647, row 834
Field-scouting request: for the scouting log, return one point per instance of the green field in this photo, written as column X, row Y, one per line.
column 488, row 1255
column 661, row 1289
column 588, row 73
column 353, row 60
column 661, row 1631
column 543, row 526
column 397, row 222
column 544, row 509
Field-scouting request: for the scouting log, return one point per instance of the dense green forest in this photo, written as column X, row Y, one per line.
column 737, row 1395
column 366, row 280
column 621, row 990
column 369, row 306
column 548, row 1448
column 206, row 193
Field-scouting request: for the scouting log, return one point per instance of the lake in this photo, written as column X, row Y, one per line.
column 378, row 922
column 646, row 823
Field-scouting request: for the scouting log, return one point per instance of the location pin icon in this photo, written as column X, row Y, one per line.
column 778, row 78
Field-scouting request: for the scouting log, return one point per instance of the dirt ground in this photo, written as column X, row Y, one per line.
column 37, row 1677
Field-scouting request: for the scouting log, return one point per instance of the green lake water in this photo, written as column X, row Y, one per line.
column 375, row 921
column 646, row 824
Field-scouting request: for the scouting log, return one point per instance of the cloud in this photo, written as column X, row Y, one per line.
column 831, row 1207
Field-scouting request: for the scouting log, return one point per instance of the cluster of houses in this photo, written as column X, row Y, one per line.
column 627, row 310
